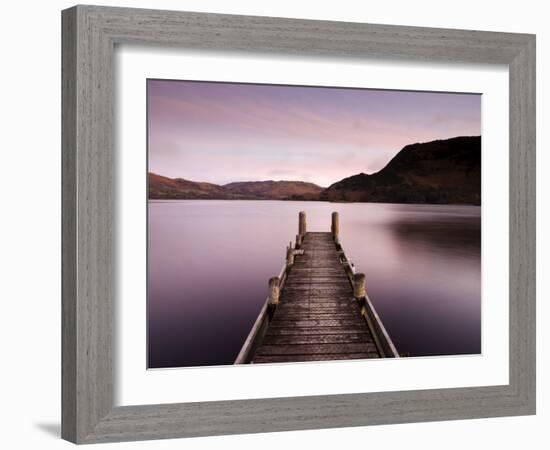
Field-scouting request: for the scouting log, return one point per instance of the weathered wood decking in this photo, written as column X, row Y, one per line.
column 317, row 317
column 317, row 309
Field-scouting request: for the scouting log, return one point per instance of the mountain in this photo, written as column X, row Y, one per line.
column 276, row 190
column 161, row 187
column 442, row 171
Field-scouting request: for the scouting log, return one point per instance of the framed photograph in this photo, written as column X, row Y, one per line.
column 278, row 224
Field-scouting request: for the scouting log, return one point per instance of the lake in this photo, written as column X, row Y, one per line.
column 209, row 262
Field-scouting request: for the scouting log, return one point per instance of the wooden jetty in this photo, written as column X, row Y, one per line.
column 317, row 308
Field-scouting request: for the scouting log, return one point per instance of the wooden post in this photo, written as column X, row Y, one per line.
column 298, row 241
column 347, row 270
column 359, row 286
column 274, row 291
column 302, row 223
column 337, row 242
column 335, row 226
column 289, row 257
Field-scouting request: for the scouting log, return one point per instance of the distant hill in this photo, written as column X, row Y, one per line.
column 276, row 190
column 177, row 188
column 442, row 171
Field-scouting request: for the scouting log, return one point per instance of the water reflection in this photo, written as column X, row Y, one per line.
column 209, row 262
column 441, row 234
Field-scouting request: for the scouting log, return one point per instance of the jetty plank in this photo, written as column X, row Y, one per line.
column 319, row 339
column 305, row 358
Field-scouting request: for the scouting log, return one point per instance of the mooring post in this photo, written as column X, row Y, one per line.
column 302, row 223
column 298, row 241
column 335, row 226
column 359, row 286
column 347, row 270
column 290, row 257
column 274, row 291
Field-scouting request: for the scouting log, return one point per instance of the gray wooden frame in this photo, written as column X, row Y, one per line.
column 89, row 37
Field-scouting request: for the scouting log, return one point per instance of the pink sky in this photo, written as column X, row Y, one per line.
column 225, row 132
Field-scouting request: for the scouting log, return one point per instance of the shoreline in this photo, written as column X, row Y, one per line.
column 160, row 200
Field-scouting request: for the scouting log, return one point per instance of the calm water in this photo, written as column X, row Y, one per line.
column 209, row 262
